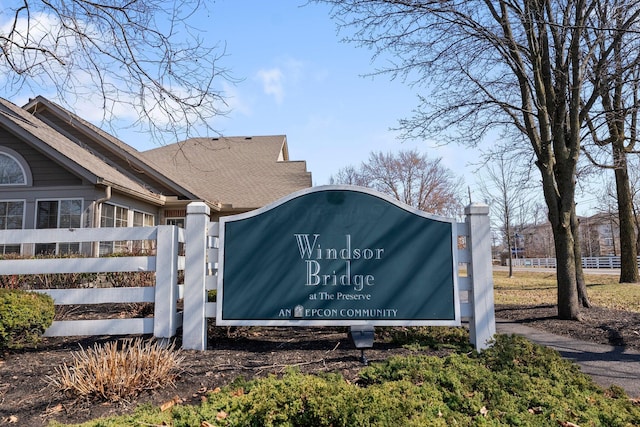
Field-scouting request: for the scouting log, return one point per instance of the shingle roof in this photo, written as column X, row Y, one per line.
column 246, row 172
column 32, row 107
column 64, row 150
column 117, row 146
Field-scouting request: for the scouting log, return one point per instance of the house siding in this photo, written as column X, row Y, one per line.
column 44, row 171
column 133, row 204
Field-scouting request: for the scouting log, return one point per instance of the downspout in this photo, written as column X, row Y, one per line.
column 96, row 216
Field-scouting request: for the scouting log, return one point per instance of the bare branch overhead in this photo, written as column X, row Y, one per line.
column 140, row 57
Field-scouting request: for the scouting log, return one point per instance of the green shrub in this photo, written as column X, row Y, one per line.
column 514, row 382
column 317, row 400
column 24, row 316
column 434, row 337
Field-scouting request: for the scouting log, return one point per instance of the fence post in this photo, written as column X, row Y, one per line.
column 482, row 326
column 194, row 325
column 165, row 307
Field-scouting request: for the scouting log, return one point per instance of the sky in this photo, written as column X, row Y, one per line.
column 300, row 80
column 295, row 77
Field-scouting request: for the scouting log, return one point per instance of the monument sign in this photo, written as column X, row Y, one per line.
column 337, row 255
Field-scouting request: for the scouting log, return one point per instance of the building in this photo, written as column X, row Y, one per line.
column 599, row 237
column 536, row 241
column 59, row 171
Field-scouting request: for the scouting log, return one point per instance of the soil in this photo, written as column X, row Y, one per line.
column 26, row 398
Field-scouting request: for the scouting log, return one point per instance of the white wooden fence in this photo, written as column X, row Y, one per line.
column 164, row 294
column 587, row 262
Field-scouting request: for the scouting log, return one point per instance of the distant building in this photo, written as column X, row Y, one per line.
column 599, row 237
column 537, row 241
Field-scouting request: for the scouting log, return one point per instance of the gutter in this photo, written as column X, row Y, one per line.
column 97, row 203
column 96, row 217
column 156, row 199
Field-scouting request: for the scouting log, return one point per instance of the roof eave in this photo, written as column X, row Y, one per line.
column 136, row 161
column 156, row 199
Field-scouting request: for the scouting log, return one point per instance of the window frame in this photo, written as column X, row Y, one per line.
column 22, row 164
column 60, row 248
column 178, row 221
column 3, row 247
column 110, row 247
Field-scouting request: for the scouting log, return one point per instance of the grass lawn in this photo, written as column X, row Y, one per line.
column 533, row 288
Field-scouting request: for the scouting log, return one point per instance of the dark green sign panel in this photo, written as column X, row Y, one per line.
column 337, row 255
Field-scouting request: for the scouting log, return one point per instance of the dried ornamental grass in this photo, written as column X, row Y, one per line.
column 112, row 373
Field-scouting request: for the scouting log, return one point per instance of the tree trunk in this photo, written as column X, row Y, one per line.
column 510, row 265
column 628, row 249
column 636, row 220
column 561, row 208
column 583, row 298
column 568, row 306
column 510, row 260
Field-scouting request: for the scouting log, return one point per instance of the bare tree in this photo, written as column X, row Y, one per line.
column 506, row 63
column 349, row 175
column 505, row 183
column 634, row 174
column 409, row 177
column 614, row 125
column 607, row 201
column 141, row 55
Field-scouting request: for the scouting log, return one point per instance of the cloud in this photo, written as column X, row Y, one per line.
column 234, row 100
column 272, row 83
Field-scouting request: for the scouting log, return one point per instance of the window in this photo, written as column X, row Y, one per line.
column 11, row 218
column 113, row 216
column 118, row 216
column 11, row 171
column 47, row 214
column 175, row 217
column 175, row 221
column 58, row 214
column 142, row 219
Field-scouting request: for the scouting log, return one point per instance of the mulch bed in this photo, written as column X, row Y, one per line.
column 27, row 399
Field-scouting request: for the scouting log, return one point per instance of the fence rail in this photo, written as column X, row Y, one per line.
column 587, row 262
column 164, row 293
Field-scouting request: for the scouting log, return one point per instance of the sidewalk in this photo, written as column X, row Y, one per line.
column 606, row 364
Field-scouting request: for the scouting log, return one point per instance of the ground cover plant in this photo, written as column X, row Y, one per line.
column 513, row 383
column 311, row 376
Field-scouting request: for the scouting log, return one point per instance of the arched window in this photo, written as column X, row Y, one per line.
column 13, row 168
